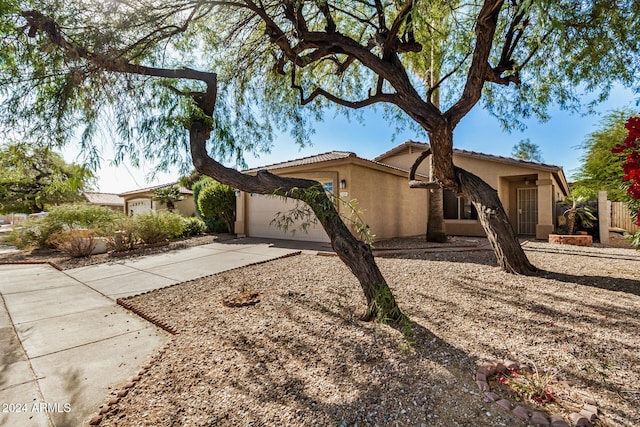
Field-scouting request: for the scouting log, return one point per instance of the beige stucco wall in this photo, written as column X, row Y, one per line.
column 504, row 177
column 388, row 205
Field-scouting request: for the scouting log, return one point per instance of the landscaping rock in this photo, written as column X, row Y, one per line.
column 540, row 419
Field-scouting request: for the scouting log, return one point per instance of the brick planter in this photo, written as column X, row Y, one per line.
column 576, row 240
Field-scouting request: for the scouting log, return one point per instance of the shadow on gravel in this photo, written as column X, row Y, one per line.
column 616, row 284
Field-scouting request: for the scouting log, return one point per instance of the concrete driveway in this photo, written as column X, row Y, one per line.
column 66, row 345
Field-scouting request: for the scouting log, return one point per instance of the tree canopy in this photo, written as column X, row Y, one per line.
column 527, row 150
column 274, row 55
column 32, row 178
column 601, row 169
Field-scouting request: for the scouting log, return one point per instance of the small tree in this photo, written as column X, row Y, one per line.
column 601, row 169
column 32, row 178
column 169, row 196
column 218, row 200
column 527, row 150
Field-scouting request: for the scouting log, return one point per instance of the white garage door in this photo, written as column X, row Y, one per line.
column 262, row 209
column 139, row 206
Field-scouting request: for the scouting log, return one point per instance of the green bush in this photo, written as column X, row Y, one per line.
column 34, row 233
column 154, row 227
column 84, row 215
column 213, row 226
column 193, row 227
column 218, row 201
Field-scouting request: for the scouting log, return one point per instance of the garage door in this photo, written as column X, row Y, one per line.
column 262, row 209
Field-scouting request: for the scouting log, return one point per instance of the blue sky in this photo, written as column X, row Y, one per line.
column 557, row 138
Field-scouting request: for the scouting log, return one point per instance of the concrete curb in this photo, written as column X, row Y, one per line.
column 52, row 264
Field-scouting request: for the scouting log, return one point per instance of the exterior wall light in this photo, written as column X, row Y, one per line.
column 343, row 184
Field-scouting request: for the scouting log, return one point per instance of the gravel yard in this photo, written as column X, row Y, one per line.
column 301, row 357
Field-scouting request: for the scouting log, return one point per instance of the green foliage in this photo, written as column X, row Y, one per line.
column 55, row 95
column 527, row 150
column 37, row 233
column 168, row 196
column 84, row 215
column 154, row 227
column 580, row 213
column 211, row 222
column 601, row 169
column 193, row 227
column 33, row 178
column 218, row 201
column 34, row 233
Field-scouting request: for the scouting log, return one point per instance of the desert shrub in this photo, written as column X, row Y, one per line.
column 218, row 201
column 74, row 242
column 154, row 227
column 193, row 227
column 84, row 215
column 34, row 233
column 124, row 235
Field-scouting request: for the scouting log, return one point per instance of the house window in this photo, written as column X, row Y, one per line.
column 457, row 207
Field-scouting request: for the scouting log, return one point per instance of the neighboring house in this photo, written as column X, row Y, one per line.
column 108, row 200
column 141, row 201
column 391, row 209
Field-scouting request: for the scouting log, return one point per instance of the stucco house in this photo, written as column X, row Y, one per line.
column 528, row 191
column 141, row 201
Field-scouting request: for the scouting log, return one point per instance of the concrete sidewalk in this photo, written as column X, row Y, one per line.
column 134, row 276
column 66, row 344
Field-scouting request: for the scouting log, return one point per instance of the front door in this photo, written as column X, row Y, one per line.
column 527, row 210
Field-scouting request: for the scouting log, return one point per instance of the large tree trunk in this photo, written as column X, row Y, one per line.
column 436, row 231
column 357, row 255
column 495, row 221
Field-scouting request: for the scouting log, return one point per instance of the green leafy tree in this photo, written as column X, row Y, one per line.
column 33, row 178
column 601, row 169
column 233, row 72
column 218, row 201
column 527, row 150
column 168, row 196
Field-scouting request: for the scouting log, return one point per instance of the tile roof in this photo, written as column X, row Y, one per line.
column 476, row 154
column 325, row 157
column 318, row 158
column 183, row 190
column 107, row 199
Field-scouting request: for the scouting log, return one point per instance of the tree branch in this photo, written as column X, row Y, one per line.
column 486, row 24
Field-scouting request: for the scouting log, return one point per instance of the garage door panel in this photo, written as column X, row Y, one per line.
column 261, row 211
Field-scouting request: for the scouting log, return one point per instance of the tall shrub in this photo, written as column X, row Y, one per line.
column 218, row 201
column 211, row 223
